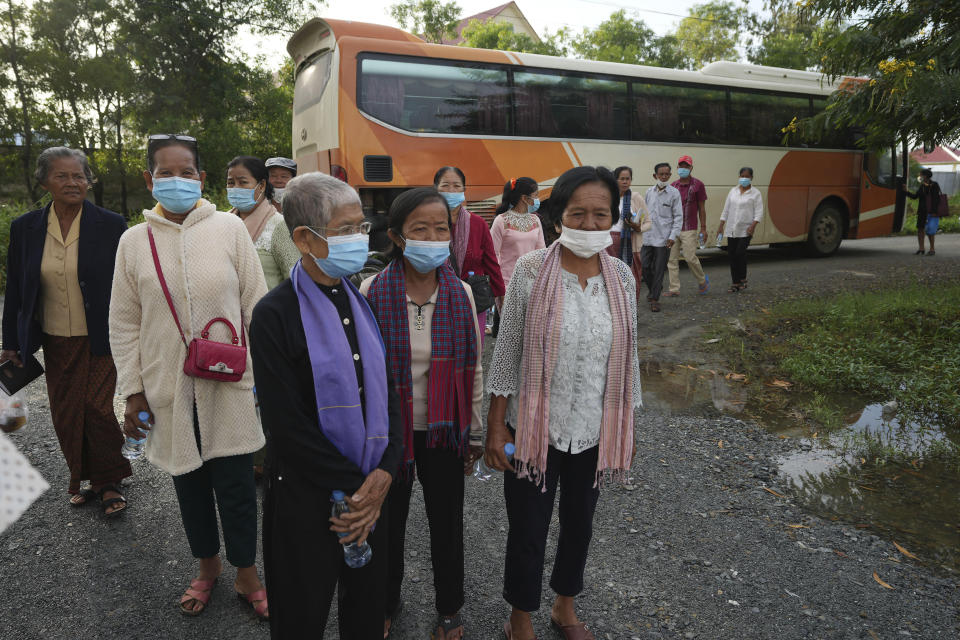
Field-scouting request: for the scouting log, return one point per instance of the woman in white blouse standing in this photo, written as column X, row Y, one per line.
column 742, row 212
column 564, row 384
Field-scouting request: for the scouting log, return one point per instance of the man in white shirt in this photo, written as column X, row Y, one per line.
column 666, row 218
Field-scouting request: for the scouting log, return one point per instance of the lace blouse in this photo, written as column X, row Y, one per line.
column 278, row 254
column 579, row 378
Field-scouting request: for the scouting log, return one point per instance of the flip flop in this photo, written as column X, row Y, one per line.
column 447, row 625
column 508, row 631
column 199, row 590
column 258, row 602
column 87, row 494
column 577, row 631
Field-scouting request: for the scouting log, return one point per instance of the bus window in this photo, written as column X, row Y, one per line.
column 671, row 113
column 759, row 118
column 435, row 97
column 880, row 167
column 311, row 81
column 568, row 106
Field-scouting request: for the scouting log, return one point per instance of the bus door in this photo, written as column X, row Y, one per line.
column 878, row 195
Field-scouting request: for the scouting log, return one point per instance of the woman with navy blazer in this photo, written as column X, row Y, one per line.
column 59, row 276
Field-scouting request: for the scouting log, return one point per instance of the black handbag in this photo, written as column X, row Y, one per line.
column 482, row 292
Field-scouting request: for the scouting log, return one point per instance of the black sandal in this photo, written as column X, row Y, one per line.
column 447, row 625
column 106, row 503
column 87, row 494
column 734, row 288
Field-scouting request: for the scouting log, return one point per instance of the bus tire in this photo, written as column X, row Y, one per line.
column 826, row 230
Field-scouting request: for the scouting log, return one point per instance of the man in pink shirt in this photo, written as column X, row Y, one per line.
column 693, row 194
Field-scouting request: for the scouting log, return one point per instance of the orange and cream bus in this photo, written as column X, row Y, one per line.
column 382, row 110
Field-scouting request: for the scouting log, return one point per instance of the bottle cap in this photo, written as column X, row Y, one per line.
column 470, row 273
column 337, row 495
column 509, row 449
column 143, row 416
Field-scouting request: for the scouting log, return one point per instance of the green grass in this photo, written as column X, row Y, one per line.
column 900, row 344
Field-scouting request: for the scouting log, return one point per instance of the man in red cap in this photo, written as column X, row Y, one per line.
column 693, row 194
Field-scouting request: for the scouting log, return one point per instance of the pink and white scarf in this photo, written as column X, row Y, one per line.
column 541, row 340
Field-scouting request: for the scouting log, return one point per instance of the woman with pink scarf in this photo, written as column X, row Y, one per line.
column 564, row 384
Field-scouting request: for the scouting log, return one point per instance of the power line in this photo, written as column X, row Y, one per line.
column 662, row 13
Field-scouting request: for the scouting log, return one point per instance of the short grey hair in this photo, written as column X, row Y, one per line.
column 309, row 200
column 47, row 156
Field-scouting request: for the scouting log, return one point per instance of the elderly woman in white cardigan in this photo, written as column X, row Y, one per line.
column 201, row 431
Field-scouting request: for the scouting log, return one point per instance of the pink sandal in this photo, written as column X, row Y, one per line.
column 199, row 591
column 258, row 601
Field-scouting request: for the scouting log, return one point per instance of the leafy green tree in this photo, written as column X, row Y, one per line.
column 18, row 110
column 495, row 34
column 619, row 38
column 433, row 20
column 787, row 37
column 711, row 32
column 909, row 52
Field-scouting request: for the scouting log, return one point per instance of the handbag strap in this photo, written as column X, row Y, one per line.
column 163, row 283
column 173, row 310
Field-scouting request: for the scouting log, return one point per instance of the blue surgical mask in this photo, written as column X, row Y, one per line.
column 683, row 173
column 454, row 200
column 426, row 255
column 176, row 195
column 346, row 255
column 745, row 182
column 536, row 205
column 241, row 199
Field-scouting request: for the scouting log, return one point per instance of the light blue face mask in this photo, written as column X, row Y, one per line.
column 242, row 199
column 454, row 200
column 346, row 255
column 176, row 195
column 535, row 206
column 745, row 182
column 425, row 255
column 683, row 172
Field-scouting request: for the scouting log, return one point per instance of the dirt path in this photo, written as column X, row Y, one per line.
column 694, row 547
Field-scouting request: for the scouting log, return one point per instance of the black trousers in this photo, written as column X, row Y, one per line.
column 303, row 565
column 653, row 261
column 737, row 248
column 441, row 475
column 529, row 510
column 227, row 484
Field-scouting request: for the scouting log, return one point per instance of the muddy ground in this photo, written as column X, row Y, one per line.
column 705, row 541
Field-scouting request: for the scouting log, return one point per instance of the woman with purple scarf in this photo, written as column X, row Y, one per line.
column 429, row 324
column 564, row 385
column 331, row 418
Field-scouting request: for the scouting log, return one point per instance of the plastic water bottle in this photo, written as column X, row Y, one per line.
column 480, row 469
column 133, row 449
column 719, row 239
column 354, row 555
column 702, row 240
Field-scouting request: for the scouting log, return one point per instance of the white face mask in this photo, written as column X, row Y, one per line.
column 662, row 185
column 278, row 194
column 585, row 244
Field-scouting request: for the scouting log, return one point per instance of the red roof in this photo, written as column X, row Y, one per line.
column 483, row 16
column 940, row 155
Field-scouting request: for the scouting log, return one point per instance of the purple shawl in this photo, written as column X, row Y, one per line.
column 361, row 436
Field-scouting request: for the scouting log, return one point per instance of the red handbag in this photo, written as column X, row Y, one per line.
column 206, row 358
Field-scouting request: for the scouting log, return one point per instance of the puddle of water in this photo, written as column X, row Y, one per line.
column 916, row 505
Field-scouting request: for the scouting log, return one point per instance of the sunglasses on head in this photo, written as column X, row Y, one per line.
column 157, row 137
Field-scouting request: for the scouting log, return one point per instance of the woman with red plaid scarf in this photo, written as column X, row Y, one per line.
column 429, row 324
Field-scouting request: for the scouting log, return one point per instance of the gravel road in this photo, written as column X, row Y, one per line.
column 694, row 547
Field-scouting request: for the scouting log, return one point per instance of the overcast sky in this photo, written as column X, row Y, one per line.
column 544, row 15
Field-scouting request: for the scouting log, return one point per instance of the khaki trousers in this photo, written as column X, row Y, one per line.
column 687, row 244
